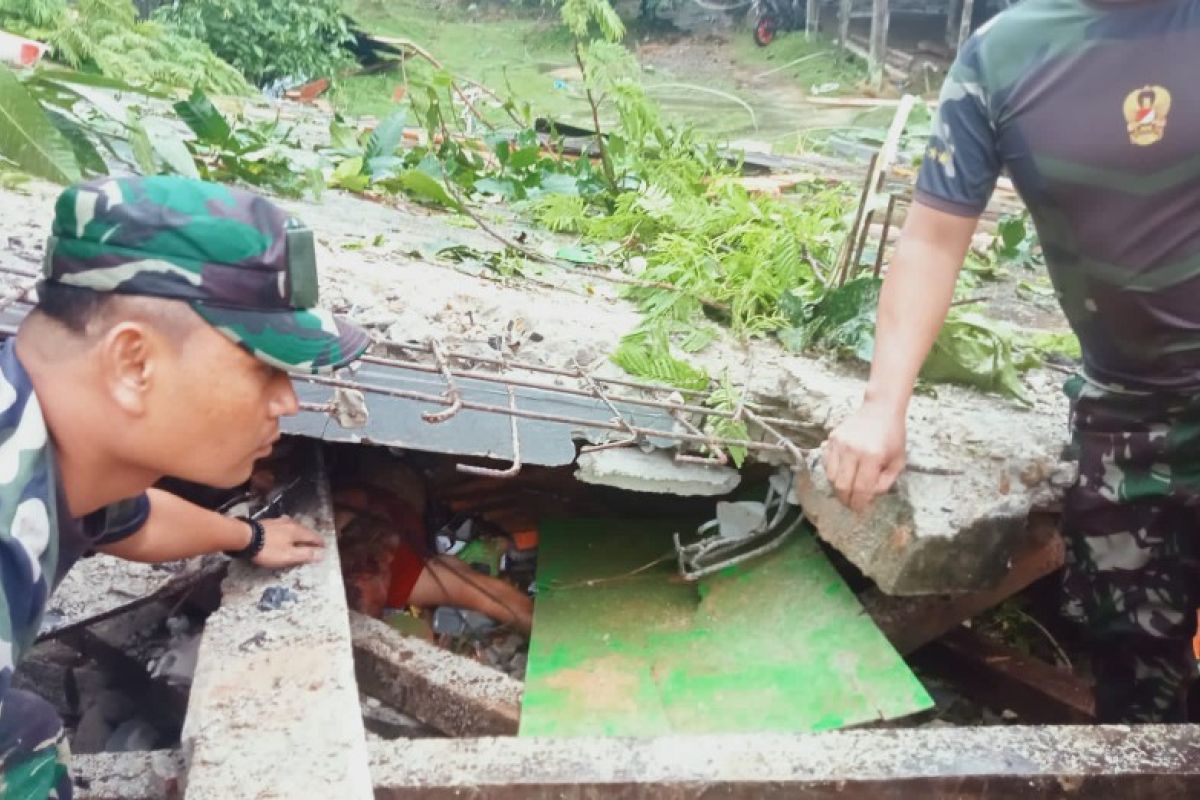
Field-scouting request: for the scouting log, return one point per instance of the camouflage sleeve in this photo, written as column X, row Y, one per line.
column 962, row 161
column 119, row 520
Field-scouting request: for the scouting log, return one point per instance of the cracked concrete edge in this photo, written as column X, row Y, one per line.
column 899, row 544
column 154, row 775
column 1019, row 761
column 453, row 694
column 274, row 707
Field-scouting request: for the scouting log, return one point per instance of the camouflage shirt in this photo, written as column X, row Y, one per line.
column 1094, row 111
column 39, row 540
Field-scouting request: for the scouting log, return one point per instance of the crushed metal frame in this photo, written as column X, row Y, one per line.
column 694, row 444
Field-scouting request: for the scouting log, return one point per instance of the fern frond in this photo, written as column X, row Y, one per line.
column 646, row 353
column 561, row 213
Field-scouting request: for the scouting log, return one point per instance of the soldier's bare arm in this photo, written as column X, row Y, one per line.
column 864, row 455
column 179, row 529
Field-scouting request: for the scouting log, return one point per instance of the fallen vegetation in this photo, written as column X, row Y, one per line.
column 654, row 205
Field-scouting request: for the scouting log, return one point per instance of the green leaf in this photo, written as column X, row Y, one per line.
column 143, row 150
column 578, row 254
column 646, row 353
column 1051, row 343
column 975, row 351
column 348, row 175
column 68, row 76
column 343, row 137
column 503, row 151
column 842, row 321
column 386, row 137
column 204, row 119
column 505, row 187
column 1012, row 232
column 422, row 186
column 28, row 138
column 170, row 148
column 524, row 158
column 86, row 154
column 558, row 183
column 697, row 338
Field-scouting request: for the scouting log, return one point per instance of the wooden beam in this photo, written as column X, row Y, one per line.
column 953, row 22
column 1003, row 677
column 812, row 18
column 844, row 8
column 964, row 29
column 880, row 17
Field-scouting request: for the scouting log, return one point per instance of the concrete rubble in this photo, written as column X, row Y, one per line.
column 450, row 693
column 656, row 472
column 151, row 775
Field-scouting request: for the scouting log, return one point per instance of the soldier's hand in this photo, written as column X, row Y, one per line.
column 288, row 543
column 864, row 455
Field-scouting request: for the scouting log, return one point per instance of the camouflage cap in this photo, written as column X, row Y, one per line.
column 239, row 260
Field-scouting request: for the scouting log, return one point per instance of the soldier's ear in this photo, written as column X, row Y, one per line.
column 129, row 358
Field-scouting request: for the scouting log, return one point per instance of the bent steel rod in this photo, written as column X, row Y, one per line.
column 433, row 399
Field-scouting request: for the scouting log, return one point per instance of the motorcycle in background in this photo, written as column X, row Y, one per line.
column 772, row 16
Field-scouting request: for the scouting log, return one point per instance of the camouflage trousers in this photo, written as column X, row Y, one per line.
column 33, row 753
column 1131, row 524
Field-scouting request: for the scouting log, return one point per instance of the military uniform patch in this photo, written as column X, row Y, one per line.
column 1146, row 111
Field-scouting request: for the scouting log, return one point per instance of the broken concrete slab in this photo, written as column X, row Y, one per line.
column 153, row 775
column 397, row 422
column 385, row 722
column 986, row 762
column 46, row 671
column 911, row 622
column 121, row 646
column 274, row 705
column 453, row 694
column 977, row 466
column 657, row 472
column 103, row 586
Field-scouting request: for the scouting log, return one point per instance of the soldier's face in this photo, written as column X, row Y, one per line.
column 218, row 408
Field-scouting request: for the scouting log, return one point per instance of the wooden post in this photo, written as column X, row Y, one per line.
column 811, row 18
column 844, row 7
column 952, row 23
column 880, row 17
column 964, row 30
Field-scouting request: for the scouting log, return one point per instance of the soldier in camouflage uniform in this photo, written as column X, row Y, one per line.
column 1093, row 108
column 169, row 314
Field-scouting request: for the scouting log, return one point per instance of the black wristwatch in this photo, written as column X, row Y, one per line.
column 258, row 538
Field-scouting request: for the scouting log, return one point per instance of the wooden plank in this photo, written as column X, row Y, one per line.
column 912, row 622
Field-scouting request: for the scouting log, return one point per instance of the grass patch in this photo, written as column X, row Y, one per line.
column 823, row 65
column 513, row 53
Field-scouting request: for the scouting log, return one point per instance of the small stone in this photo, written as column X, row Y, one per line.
column 461, row 622
column 276, row 597
column 132, row 735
